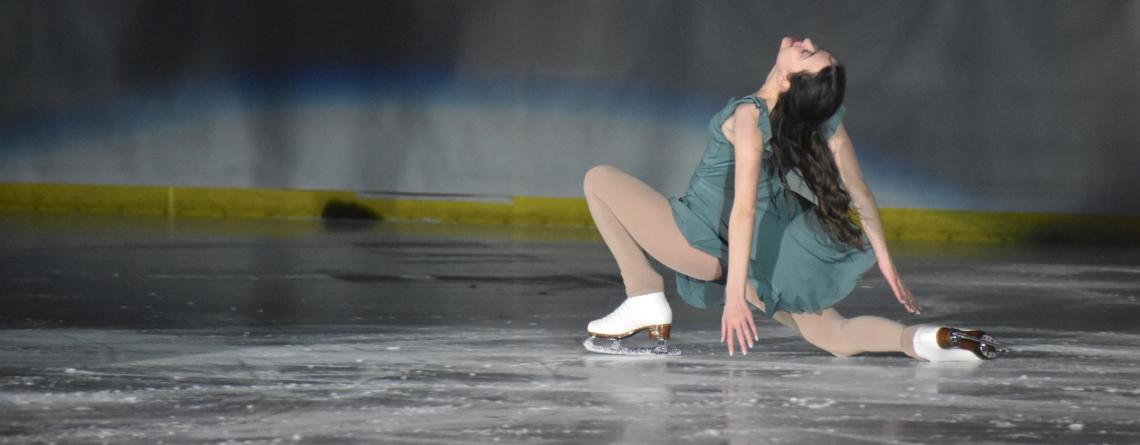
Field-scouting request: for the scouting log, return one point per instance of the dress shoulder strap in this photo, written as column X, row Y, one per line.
column 764, row 124
column 749, row 99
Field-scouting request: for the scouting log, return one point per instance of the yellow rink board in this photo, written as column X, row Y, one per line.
column 177, row 202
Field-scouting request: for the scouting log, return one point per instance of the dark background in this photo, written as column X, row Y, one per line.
column 1013, row 105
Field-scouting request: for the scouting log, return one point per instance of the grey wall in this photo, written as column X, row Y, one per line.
column 1013, row 105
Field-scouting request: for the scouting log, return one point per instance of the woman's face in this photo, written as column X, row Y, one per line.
column 801, row 55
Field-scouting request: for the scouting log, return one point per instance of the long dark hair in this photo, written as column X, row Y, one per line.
column 798, row 145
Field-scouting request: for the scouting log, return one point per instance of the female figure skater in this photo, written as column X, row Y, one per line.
column 740, row 225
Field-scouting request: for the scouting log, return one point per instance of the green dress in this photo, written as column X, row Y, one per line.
column 794, row 265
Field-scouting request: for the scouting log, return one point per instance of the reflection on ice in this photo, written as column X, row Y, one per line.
column 422, row 382
column 334, row 337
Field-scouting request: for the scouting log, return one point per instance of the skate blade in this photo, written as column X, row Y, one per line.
column 616, row 348
column 986, row 346
column 992, row 349
column 655, row 332
column 989, row 341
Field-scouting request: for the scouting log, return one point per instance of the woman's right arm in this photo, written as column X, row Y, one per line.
column 852, row 176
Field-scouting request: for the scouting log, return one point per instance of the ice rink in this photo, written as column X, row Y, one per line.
column 136, row 330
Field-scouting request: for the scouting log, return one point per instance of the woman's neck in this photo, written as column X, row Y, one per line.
column 770, row 90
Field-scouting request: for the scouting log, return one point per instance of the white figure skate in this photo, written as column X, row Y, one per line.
column 943, row 344
column 642, row 313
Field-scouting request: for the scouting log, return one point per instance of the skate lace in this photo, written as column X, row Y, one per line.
column 617, row 312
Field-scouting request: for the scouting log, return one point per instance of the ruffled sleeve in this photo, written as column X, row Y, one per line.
column 764, row 123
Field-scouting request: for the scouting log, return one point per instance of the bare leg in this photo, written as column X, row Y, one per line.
column 849, row 336
column 631, row 216
column 908, row 341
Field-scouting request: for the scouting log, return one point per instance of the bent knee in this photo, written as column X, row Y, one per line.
column 596, row 173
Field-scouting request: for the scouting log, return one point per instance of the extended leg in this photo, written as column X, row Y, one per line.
column 841, row 336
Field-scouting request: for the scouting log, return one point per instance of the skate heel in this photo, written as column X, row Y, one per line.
column 659, row 331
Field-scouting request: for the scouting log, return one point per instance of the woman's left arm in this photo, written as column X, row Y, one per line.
column 736, row 322
column 864, row 201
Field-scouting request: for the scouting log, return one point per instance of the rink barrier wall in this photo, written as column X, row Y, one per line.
column 200, row 202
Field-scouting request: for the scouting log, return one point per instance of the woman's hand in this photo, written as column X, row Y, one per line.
column 901, row 292
column 736, row 324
